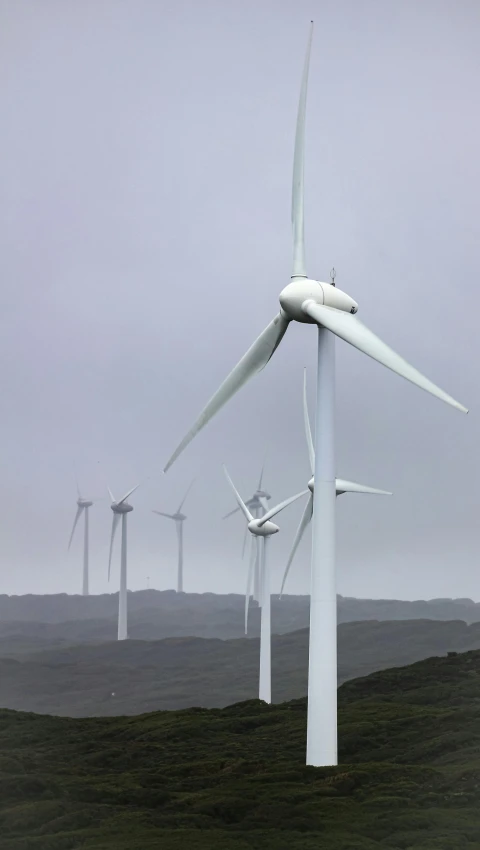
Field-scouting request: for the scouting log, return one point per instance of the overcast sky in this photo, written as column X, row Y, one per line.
column 145, row 177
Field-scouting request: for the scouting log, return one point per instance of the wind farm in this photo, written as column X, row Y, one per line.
column 226, row 655
column 334, row 313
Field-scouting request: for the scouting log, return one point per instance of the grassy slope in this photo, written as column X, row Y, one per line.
column 234, row 778
column 180, row 672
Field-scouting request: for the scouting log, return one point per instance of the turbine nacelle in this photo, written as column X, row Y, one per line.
column 261, row 494
column 264, row 530
column 302, row 289
column 121, row 508
column 84, row 503
column 179, row 517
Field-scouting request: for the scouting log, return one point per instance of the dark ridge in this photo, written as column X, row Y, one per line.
column 131, row 677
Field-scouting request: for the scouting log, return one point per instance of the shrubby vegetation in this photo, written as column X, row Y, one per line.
column 234, row 778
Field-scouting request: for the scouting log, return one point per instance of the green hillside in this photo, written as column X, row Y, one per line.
column 234, row 778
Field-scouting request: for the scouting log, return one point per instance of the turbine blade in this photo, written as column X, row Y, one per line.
column 264, row 503
column 125, row 497
column 244, row 542
column 231, row 513
column 306, row 420
column 251, row 565
column 185, row 496
column 241, row 504
column 112, row 497
column 307, row 515
column 343, row 486
column 349, row 328
column 260, row 480
column 252, row 362
column 116, row 518
column 276, row 510
column 160, row 513
column 298, row 267
column 77, row 517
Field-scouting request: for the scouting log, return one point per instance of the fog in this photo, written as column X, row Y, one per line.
column 145, row 181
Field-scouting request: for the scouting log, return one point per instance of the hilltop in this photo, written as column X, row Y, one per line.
column 234, row 778
column 155, row 614
column 132, row 677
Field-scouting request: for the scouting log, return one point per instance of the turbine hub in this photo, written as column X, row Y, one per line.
column 264, row 530
column 311, row 484
column 302, row 289
column 123, row 508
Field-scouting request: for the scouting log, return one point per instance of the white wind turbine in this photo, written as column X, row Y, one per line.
column 83, row 506
column 313, row 302
column 121, row 508
column 262, row 529
column 258, row 505
column 178, row 519
column 341, row 486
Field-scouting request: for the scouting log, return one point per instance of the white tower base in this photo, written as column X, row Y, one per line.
column 122, row 596
column 322, row 666
column 265, row 679
column 85, row 590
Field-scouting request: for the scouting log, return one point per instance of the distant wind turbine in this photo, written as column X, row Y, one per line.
column 258, row 505
column 83, row 506
column 341, row 486
column 121, row 508
column 332, row 311
column 263, row 529
column 178, row 519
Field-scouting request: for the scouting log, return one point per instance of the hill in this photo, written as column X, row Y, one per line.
column 154, row 615
column 132, row 677
column 234, row 778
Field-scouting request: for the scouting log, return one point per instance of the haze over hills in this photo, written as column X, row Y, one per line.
column 157, row 614
column 131, row 677
column 235, row 778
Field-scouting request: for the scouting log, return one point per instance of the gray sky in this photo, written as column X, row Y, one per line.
column 146, row 158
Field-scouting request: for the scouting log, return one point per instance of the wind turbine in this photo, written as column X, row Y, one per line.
column 341, row 486
column 83, row 506
column 313, row 302
column 258, row 504
column 121, row 508
column 179, row 519
column 262, row 529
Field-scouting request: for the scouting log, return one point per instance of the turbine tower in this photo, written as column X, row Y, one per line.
column 333, row 312
column 341, row 486
column 179, row 519
column 121, row 508
column 83, row 506
column 258, row 505
column 262, row 529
